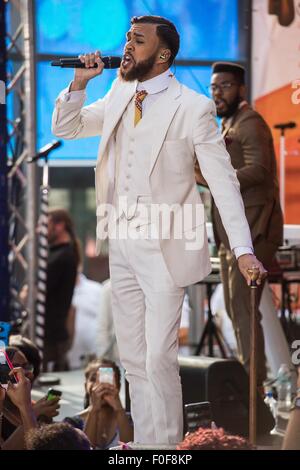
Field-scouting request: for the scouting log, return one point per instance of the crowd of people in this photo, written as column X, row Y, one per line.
column 103, row 420
column 103, row 423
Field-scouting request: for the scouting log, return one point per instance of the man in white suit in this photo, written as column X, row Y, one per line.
column 153, row 128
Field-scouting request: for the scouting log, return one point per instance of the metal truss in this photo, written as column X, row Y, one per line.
column 22, row 193
column 4, row 277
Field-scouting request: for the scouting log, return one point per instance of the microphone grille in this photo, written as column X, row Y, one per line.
column 112, row 62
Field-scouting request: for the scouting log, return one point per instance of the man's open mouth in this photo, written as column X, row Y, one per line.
column 127, row 59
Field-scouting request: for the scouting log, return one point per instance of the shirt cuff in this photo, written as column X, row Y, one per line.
column 71, row 96
column 242, row 250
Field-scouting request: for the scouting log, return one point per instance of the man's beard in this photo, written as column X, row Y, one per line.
column 138, row 71
column 231, row 108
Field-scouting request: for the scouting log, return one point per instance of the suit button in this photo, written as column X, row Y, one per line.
column 126, row 189
column 129, row 165
column 128, row 177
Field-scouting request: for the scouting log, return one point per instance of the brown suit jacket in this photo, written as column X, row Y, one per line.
column 250, row 145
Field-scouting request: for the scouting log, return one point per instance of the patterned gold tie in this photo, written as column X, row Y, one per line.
column 139, row 97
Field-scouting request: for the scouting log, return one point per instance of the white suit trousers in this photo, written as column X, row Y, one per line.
column 146, row 309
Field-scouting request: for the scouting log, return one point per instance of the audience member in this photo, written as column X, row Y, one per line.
column 18, row 394
column 30, row 351
column 57, row 436
column 63, row 262
column 12, row 419
column 104, row 419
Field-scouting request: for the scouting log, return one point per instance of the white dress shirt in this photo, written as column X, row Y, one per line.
column 155, row 88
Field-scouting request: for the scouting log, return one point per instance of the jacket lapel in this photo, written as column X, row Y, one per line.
column 232, row 120
column 115, row 108
column 226, row 129
column 162, row 118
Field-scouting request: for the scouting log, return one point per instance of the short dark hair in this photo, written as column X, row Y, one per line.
column 57, row 436
column 230, row 67
column 166, row 31
column 30, row 351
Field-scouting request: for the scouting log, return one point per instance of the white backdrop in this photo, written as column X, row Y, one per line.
column 275, row 50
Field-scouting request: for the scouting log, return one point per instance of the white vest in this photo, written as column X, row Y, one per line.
column 132, row 168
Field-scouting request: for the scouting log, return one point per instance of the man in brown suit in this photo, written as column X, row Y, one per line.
column 250, row 145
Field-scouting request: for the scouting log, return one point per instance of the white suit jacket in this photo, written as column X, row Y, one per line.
column 184, row 128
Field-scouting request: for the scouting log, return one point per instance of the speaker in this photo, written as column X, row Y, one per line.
column 225, row 384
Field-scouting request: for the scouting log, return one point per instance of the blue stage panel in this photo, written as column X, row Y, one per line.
column 197, row 78
column 209, row 29
column 50, row 82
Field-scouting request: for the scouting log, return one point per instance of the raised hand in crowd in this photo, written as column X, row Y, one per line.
column 97, row 400
column 104, row 420
column 47, row 408
column 109, row 394
column 20, row 392
column 20, row 395
column 82, row 76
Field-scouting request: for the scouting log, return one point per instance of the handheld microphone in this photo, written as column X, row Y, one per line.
column 110, row 62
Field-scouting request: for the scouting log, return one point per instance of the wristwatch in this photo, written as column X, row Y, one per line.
column 296, row 403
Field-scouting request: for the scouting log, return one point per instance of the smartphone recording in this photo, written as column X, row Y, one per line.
column 106, row 375
column 52, row 393
column 5, row 368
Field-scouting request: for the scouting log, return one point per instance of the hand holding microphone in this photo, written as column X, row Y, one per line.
column 87, row 66
column 83, row 75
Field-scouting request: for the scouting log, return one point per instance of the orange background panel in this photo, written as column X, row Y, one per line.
column 277, row 107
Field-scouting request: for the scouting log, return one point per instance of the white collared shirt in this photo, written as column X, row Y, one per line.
column 155, row 88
